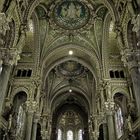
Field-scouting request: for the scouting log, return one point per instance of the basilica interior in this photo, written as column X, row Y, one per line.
column 69, row 69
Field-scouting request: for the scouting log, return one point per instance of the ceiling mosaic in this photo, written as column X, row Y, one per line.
column 71, row 15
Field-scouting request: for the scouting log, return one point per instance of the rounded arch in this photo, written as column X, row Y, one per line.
column 106, row 25
column 16, row 90
column 77, row 93
column 123, row 91
column 112, row 10
column 65, row 107
column 20, row 93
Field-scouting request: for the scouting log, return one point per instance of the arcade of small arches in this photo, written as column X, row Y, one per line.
column 69, row 70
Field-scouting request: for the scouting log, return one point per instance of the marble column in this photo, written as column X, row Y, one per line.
column 105, row 131
column 110, row 123
column 135, row 75
column 4, row 77
column 29, row 125
column 31, row 107
column 34, row 131
column 131, row 59
column 109, row 106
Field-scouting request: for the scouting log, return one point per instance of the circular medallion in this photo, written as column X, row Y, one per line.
column 71, row 14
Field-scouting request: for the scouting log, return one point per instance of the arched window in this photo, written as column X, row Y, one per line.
column 119, row 121
column 59, row 136
column 80, row 137
column 69, row 135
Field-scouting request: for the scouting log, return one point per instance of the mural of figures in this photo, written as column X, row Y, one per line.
column 71, row 14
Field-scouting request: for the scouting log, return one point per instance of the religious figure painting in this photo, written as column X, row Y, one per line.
column 71, row 14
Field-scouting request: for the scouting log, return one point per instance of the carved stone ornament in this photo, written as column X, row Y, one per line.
column 9, row 56
column 4, row 26
column 70, row 15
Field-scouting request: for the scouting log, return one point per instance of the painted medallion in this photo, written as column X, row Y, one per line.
column 71, row 14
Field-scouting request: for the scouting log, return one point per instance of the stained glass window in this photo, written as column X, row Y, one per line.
column 119, row 121
column 59, row 136
column 69, row 135
column 80, row 135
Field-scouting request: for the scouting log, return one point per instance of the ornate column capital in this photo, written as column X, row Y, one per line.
column 9, row 56
column 31, row 106
column 44, row 134
column 109, row 107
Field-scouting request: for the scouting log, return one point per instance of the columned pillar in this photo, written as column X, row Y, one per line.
column 5, row 62
column 105, row 131
column 109, row 106
column 4, row 78
column 131, row 59
column 111, row 129
column 29, row 125
column 34, row 131
column 31, row 107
